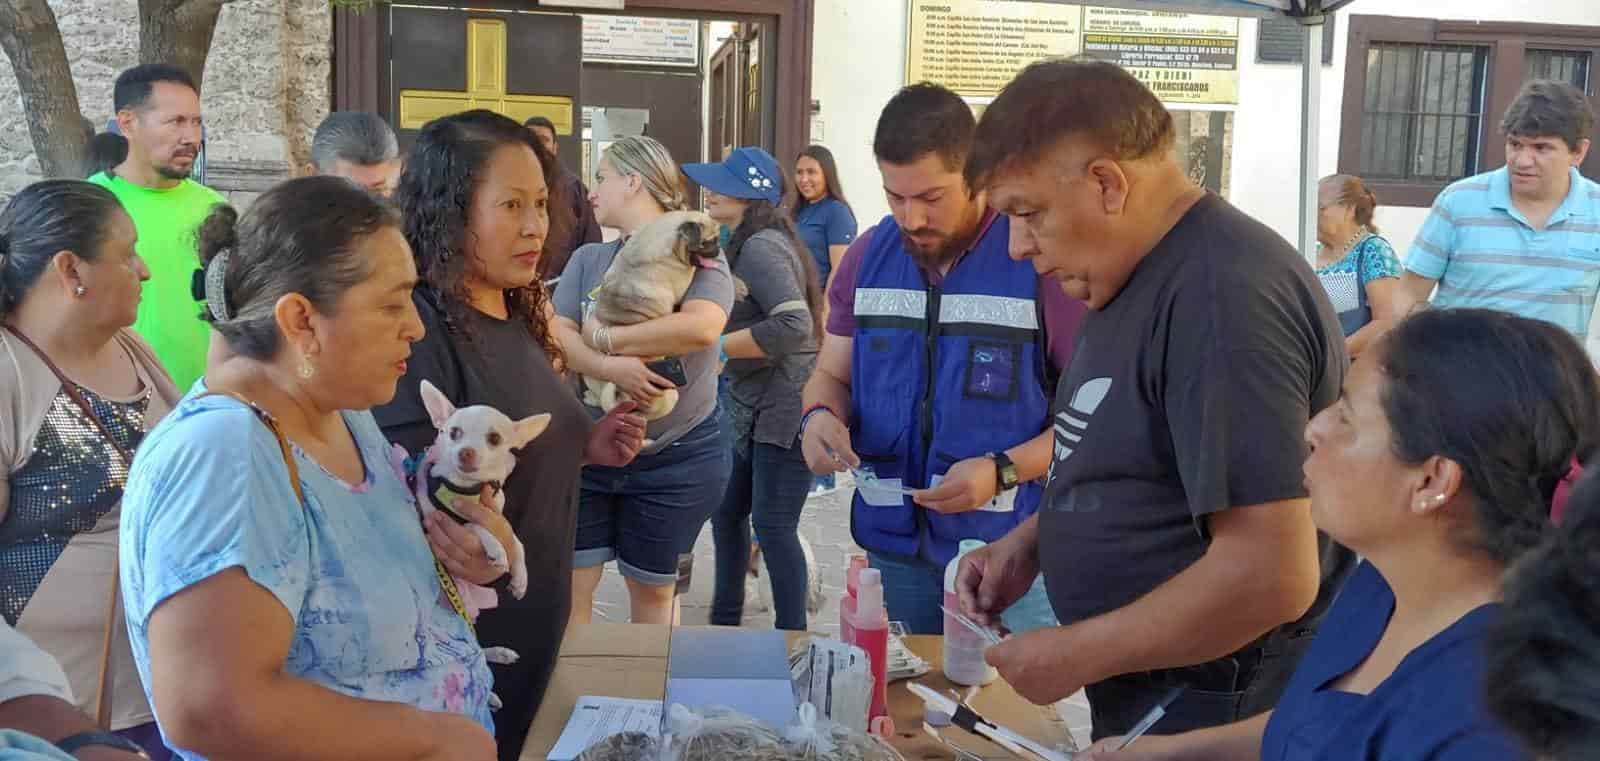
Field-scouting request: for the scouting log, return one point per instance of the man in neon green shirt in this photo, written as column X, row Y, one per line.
column 158, row 111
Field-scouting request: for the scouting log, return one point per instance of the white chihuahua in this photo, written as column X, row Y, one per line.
column 476, row 446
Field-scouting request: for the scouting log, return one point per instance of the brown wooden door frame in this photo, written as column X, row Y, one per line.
column 360, row 70
column 722, row 76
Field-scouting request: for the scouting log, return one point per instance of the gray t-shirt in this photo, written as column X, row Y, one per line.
column 780, row 322
column 698, row 399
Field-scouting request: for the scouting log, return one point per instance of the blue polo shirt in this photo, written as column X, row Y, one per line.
column 1485, row 254
column 828, row 222
column 1430, row 709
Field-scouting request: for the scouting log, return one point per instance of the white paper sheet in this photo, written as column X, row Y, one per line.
column 596, row 718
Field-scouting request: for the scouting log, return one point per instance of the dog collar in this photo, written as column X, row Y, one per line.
column 443, row 493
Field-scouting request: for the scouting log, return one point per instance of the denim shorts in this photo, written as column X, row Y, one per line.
column 648, row 513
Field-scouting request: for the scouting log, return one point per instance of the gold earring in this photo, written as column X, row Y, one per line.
column 306, row 368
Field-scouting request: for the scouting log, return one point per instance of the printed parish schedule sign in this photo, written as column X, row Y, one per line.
column 1181, row 57
column 975, row 47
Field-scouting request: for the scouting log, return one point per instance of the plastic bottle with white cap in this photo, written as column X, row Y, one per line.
column 963, row 647
column 869, row 625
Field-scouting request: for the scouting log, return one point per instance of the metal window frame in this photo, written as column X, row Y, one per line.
column 1506, row 42
column 1581, row 55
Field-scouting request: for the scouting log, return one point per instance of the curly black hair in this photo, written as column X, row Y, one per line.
column 435, row 195
column 1543, row 673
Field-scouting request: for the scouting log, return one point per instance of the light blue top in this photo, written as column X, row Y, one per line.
column 209, row 491
column 16, row 745
column 1346, row 280
column 1485, row 254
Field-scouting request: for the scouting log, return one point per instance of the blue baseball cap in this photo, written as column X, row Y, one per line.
column 748, row 173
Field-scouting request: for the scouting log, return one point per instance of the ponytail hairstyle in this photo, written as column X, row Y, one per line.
column 299, row 237
column 1352, row 192
column 1528, row 406
column 650, row 161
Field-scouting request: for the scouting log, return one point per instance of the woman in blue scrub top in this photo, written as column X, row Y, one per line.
column 826, row 223
column 1437, row 466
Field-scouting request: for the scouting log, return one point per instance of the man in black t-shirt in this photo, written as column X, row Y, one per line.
column 1175, row 534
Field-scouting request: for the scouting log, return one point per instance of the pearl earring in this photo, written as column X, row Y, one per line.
column 79, row 291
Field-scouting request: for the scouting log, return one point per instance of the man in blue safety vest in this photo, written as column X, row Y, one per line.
column 939, row 362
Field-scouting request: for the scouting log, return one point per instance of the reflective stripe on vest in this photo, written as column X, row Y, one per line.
column 941, row 374
column 893, row 303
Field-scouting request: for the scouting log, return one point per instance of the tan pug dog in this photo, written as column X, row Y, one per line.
column 648, row 279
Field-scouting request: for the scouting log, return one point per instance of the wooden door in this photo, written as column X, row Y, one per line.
column 519, row 64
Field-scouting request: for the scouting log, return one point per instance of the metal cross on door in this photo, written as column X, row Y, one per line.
column 486, row 87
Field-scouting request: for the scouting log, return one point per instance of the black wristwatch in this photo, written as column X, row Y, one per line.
column 1005, row 472
column 72, row 744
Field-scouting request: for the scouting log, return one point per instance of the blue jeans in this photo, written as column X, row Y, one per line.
column 913, row 591
column 768, row 488
column 648, row 513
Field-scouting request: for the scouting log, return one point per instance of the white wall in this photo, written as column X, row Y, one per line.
column 859, row 61
column 1266, row 152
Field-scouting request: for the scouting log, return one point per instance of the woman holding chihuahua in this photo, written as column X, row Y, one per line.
column 1457, row 472
column 646, row 515
column 79, row 391
column 476, row 205
column 281, row 598
column 769, row 348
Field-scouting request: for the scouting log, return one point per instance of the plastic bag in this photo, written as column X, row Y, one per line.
column 623, row 746
column 834, row 678
column 812, row 738
column 721, row 734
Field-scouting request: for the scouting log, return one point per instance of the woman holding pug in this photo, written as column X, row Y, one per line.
column 281, row 598
column 769, row 349
column 475, row 200
column 1456, row 475
column 647, row 514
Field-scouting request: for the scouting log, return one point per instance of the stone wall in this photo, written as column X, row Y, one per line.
column 267, row 84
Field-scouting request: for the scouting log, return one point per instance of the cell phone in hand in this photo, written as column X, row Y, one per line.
column 670, row 368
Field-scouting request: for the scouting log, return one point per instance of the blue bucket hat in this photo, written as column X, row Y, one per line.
column 748, row 173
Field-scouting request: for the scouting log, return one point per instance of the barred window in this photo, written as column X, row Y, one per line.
column 1423, row 98
column 1423, row 109
column 1570, row 66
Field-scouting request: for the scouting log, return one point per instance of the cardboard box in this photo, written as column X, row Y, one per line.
column 616, row 660
column 746, row 670
column 630, row 661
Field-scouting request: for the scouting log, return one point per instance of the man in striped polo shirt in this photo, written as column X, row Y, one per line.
column 1524, row 238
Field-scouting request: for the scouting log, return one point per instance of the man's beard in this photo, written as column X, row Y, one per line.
column 174, row 173
column 945, row 249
